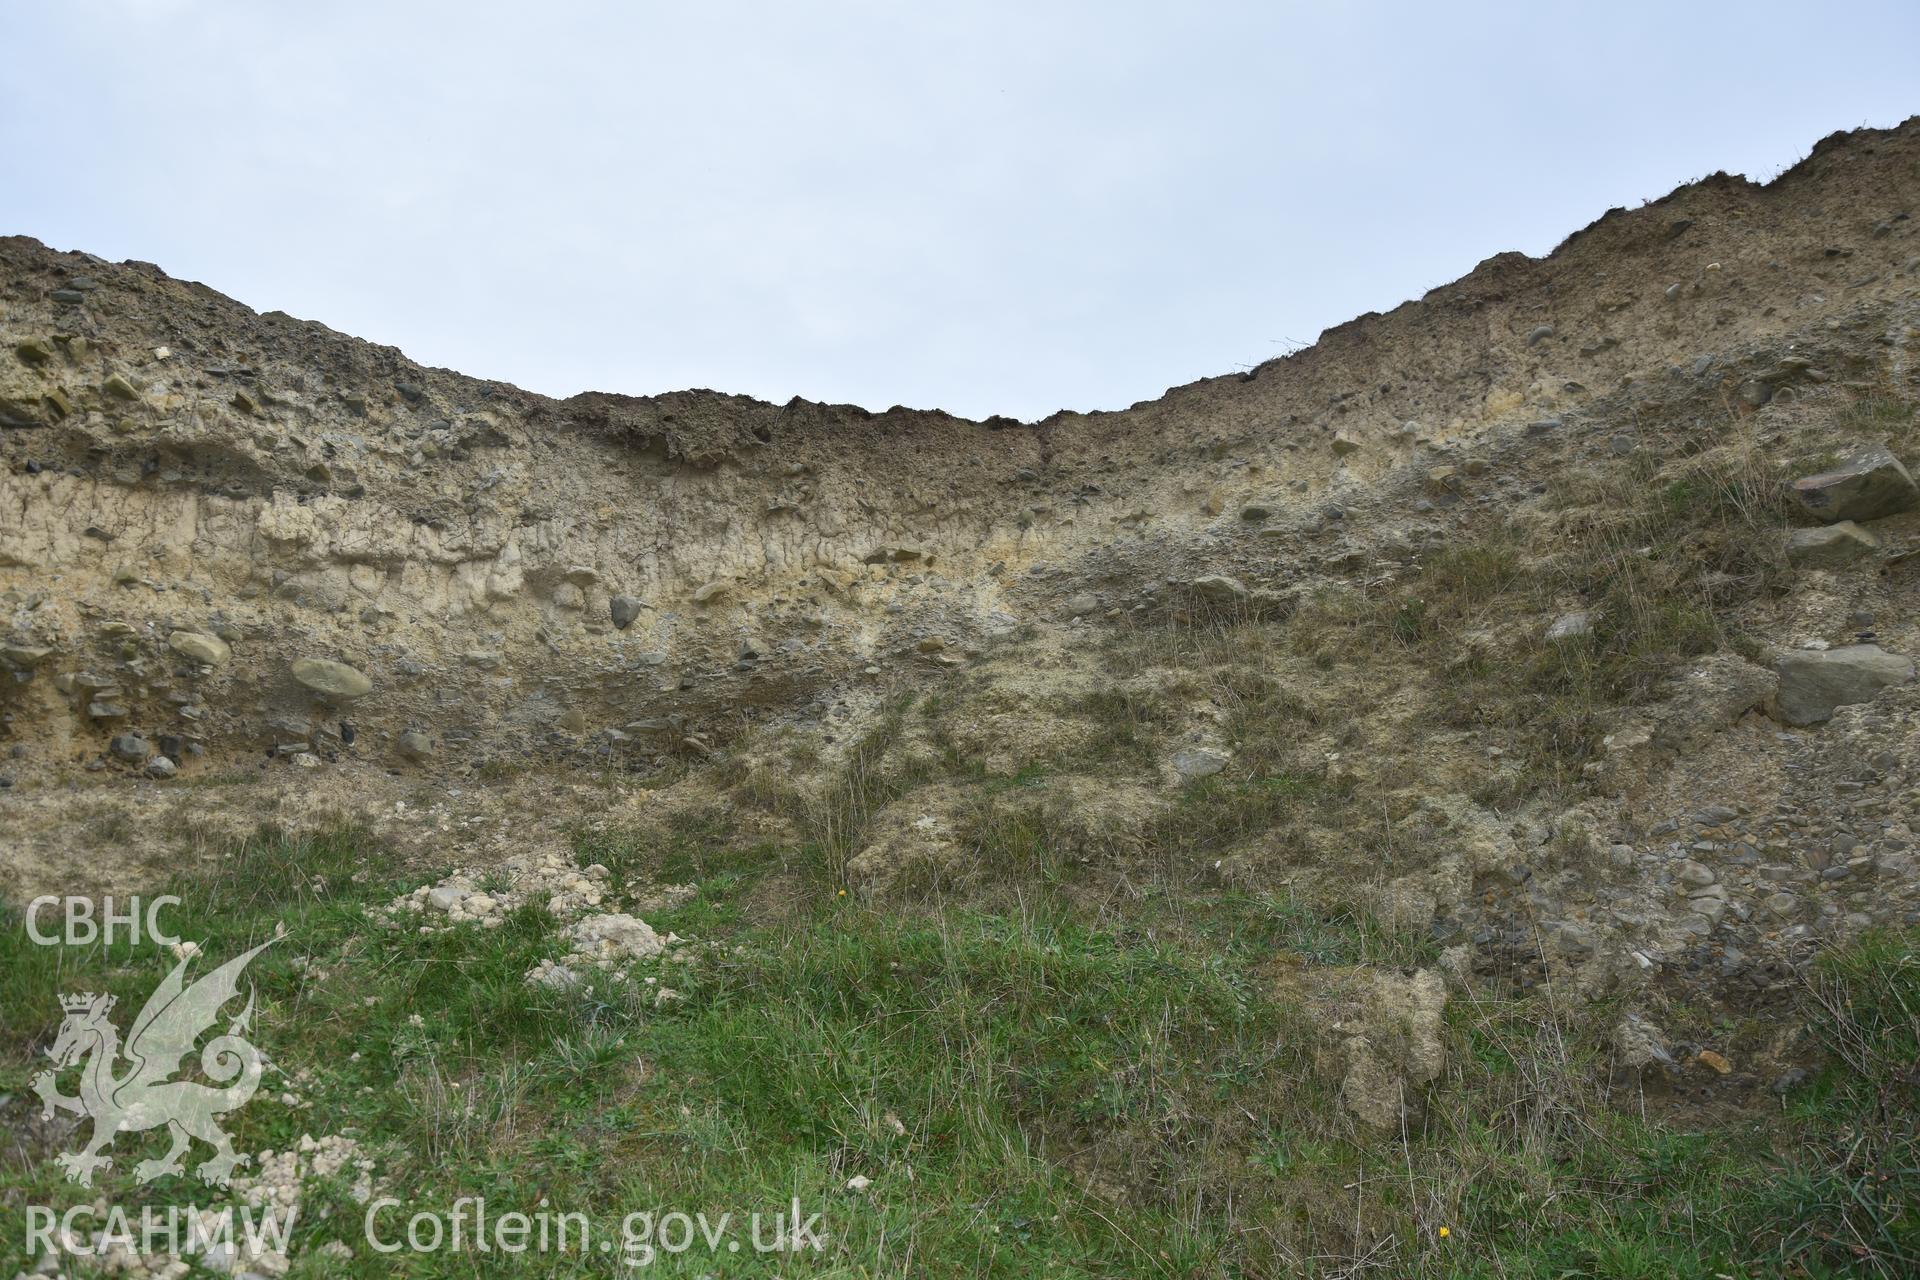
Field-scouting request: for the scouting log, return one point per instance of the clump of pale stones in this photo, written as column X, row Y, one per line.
column 283, row 1174
column 486, row 897
column 277, row 1187
column 603, row 940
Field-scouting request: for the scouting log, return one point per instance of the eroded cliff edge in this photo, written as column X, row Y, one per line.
column 521, row 574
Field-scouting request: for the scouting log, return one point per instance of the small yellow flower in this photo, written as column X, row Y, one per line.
column 1444, row 1233
column 843, row 893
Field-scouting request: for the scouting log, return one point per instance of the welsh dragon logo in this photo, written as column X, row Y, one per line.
column 142, row 1096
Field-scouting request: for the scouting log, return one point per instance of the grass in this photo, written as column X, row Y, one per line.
column 834, row 820
column 1661, row 554
column 1880, row 416
column 1041, row 1090
column 1125, row 722
column 1216, row 814
column 1009, row 1050
column 1829, row 1186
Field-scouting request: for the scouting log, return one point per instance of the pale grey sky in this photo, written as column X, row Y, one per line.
column 981, row 207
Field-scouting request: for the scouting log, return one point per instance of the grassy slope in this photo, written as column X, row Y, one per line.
column 1030, row 1094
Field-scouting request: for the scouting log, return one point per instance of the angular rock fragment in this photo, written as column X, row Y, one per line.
column 1833, row 547
column 1868, row 484
column 1814, row 682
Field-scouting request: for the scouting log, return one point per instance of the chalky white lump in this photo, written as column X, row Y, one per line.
column 608, row 942
column 614, row 939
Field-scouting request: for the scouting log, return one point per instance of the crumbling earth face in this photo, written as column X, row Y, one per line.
column 1563, row 618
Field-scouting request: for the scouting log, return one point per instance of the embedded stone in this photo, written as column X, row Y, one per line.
column 1220, row 589
column 1194, row 763
column 1570, row 626
column 335, row 681
column 1815, row 682
column 1833, row 547
column 130, row 747
column 26, row 656
column 200, row 647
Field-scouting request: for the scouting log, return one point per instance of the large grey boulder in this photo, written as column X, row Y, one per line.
column 1834, row 547
column 1814, row 682
column 1868, row 484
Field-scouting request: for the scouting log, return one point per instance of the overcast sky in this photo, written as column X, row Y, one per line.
column 981, row 207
